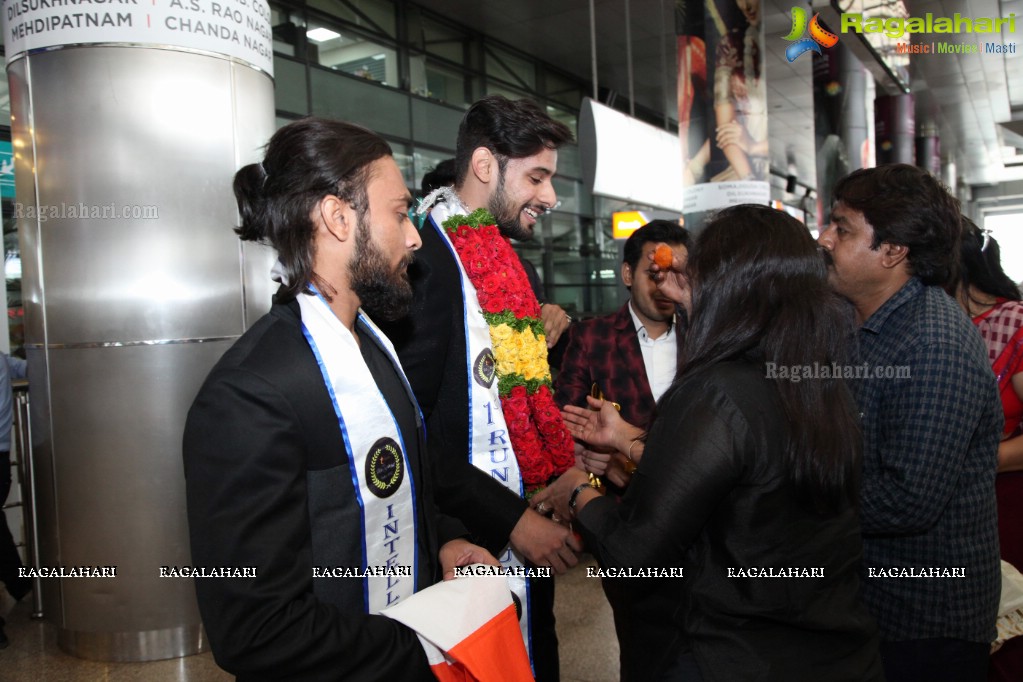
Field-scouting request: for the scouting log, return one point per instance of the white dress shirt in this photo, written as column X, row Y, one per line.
column 660, row 355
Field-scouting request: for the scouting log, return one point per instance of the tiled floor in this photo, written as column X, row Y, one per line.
column 589, row 651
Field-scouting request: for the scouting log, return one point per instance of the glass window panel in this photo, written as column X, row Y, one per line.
column 498, row 89
column 414, row 27
column 417, row 75
column 569, row 165
column 404, row 158
column 562, row 90
column 566, row 117
column 425, row 161
column 353, row 54
column 568, row 192
column 350, row 99
column 446, row 43
column 290, row 94
column 447, row 85
column 288, row 31
column 585, row 265
column 377, row 16
column 508, row 67
column 438, row 39
column 435, row 124
column 437, row 82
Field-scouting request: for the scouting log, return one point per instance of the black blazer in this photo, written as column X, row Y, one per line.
column 431, row 345
column 268, row 486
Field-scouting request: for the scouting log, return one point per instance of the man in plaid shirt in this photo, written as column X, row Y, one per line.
column 931, row 425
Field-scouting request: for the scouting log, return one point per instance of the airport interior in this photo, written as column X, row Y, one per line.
column 121, row 314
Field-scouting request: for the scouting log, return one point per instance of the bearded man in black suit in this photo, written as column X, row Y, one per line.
column 304, row 450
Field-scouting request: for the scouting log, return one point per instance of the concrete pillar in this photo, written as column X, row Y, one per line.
column 928, row 149
column 128, row 122
column 895, row 129
column 841, row 113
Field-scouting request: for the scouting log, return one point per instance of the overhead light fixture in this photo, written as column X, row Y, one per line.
column 321, row 35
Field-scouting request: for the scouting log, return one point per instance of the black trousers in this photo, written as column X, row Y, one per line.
column 546, row 666
column 10, row 561
column 935, row 660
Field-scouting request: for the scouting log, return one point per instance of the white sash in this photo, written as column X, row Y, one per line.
column 490, row 447
column 377, row 457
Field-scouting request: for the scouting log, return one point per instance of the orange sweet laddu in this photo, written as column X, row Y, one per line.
column 663, row 256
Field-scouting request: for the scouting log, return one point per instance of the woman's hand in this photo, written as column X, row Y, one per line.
column 619, row 470
column 598, row 426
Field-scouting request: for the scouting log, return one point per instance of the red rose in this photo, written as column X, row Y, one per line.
column 536, row 471
column 484, row 299
column 519, row 426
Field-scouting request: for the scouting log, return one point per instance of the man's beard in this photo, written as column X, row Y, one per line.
column 508, row 217
column 384, row 293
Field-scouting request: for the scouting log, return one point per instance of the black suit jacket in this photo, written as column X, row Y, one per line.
column 431, row 345
column 268, row 486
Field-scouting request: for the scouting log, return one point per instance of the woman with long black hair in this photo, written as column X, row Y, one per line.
column 750, row 474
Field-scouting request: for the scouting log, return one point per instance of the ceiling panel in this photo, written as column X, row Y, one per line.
column 968, row 94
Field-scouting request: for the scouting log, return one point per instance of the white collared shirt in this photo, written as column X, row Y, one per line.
column 660, row 355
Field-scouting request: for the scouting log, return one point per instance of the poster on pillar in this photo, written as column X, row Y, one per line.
column 238, row 29
column 722, row 105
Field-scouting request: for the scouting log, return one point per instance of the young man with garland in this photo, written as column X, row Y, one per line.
column 474, row 350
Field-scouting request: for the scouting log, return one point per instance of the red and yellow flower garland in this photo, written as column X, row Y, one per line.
column 542, row 444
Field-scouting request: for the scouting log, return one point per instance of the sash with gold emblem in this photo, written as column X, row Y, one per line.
column 377, row 457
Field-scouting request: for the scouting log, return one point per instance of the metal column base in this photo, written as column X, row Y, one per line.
column 149, row 645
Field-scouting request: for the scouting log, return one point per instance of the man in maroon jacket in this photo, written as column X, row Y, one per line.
column 632, row 354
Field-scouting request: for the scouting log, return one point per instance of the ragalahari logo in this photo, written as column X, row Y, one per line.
column 819, row 36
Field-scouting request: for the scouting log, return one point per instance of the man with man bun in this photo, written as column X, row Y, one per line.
column 304, row 449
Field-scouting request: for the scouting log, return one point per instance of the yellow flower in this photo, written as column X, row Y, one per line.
column 500, row 334
column 520, row 352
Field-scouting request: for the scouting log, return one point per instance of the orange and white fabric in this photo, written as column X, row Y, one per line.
column 469, row 629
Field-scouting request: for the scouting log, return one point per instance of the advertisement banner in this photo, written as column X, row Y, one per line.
column 233, row 28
